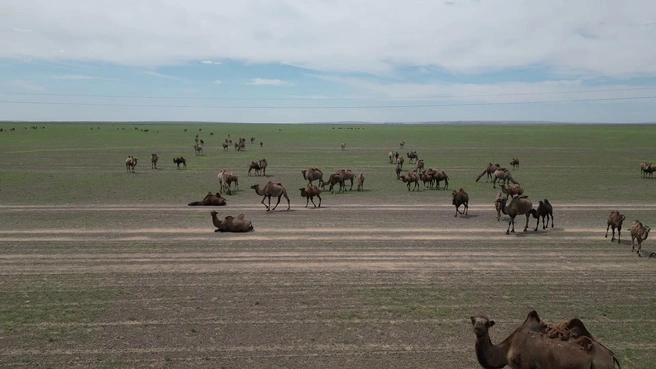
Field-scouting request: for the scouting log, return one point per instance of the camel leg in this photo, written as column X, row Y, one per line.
column 265, row 205
column 552, row 221
column 619, row 229
column 607, row 228
column 526, row 226
column 511, row 221
column 288, row 203
column 274, row 208
column 538, row 223
column 307, row 201
column 311, row 199
column 466, row 209
column 319, row 200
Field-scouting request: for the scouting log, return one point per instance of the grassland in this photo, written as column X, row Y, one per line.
column 101, row 268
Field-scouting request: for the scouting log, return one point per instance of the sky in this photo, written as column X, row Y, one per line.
column 294, row 61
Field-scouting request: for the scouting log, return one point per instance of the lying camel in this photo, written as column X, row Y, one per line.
column 544, row 210
column 231, row 224
column 460, row 197
column 615, row 220
column 309, row 193
column 533, row 346
column 210, row 200
column 639, row 233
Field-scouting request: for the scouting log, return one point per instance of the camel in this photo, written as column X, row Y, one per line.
column 335, row 178
column 491, row 168
column 460, row 197
column 512, row 190
column 615, row 220
column 398, row 171
column 532, row 346
column 441, row 176
column 312, row 175
column 411, row 178
column 519, row 205
column 210, row 200
column 399, row 161
column 504, row 175
column 261, row 143
column 241, row 146
column 428, row 178
column 649, row 171
column 361, row 182
column 198, row 150
column 263, row 165
column 153, row 161
column 225, row 146
column 412, row 156
column 254, row 165
column 515, row 163
column 401, row 144
column 419, row 166
column 391, row 156
column 639, row 233
column 347, row 175
column 130, row 163
column 179, row 161
column 271, row 189
column 343, row 145
column 231, row 224
column 309, row 193
column 544, row 210
column 252, row 139
column 498, row 206
column 644, row 166
column 226, row 179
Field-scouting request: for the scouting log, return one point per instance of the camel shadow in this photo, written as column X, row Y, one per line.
column 528, row 233
column 468, row 216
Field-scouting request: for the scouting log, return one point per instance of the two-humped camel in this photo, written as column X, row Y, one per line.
column 361, row 182
column 512, row 190
column 412, row 177
column 504, row 175
column 130, row 163
column 615, row 219
column 309, row 193
column 639, row 232
column 153, row 161
column 460, row 197
column 544, row 210
column 515, row 163
column 210, row 200
column 519, row 205
column 491, row 168
column 231, row 224
column 312, row 175
column 644, row 168
column 179, row 161
column 534, row 345
column 269, row 190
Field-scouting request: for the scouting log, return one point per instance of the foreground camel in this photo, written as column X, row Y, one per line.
column 534, row 345
column 491, row 168
column 519, row 205
column 179, row 161
column 130, row 163
column 504, row 175
column 309, row 193
column 544, row 210
column 271, row 189
column 153, row 161
column 312, row 175
column 460, row 197
column 210, row 200
column 231, row 224
column 615, row 220
column 639, row 233
column 515, row 163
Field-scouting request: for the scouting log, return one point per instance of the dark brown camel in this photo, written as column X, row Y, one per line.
column 309, row 193
column 409, row 179
column 153, row 161
column 179, row 161
column 544, row 210
column 210, row 200
column 231, row 224
column 615, row 220
column 460, row 197
column 491, row 168
column 515, row 163
column 639, row 232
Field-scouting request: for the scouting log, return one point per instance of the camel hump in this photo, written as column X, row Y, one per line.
column 240, row 216
column 576, row 328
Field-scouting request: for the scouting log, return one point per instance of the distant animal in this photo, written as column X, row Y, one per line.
column 390, row 155
column 231, row 224
column 343, row 145
column 198, row 150
column 644, row 167
column 419, row 166
column 153, row 161
column 226, row 179
column 615, row 220
column 179, row 161
column 460, row 197
column 271, row 189
column 639, row 233
column 399, row 161
column 401, row 144
column 130, row 163
column 515, row 163
column 498, row 205
column 254, row 165
column 261, row 144
column 210, row 200
column 412, row 156
column 398, row 171
column 361, row 182
column 225, row 146
column 544, row 210
column 252, row 139
column 309, row 193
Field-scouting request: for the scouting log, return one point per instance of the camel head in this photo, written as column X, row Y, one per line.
column 481, row 325
column 255, row 186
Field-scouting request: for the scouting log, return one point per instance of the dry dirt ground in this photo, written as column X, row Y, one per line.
column 345, row 286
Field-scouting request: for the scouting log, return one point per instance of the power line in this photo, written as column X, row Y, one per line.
column 327, row 107
column 323, row 98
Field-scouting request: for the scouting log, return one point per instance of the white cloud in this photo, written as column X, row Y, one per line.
column 268, row 82
column 211, row 62
column 217, row 82
column 161, row 75
column 614, row 39
column 27, row 85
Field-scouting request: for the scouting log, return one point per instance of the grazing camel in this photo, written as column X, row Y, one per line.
column 545, row 210
column 399, row 161
column 460, row 197
column 198, row 150
column 515, row 163
column 498, row 206
column 615, row 220
column 401, row 144
column 361, row 182
column 512, row 190
column 411, row 178
column 504, row 175
column 343, row 145
column 347, row 175
column 334, row 179
column 179, row 161
column 153, row 161
column 226, row 179
column 639, row 233
column 519, row 205
column 312, row 175
column 130, row 163
column 271, row 189
column 231, row 224
column 532, row 346
column 210, row 200
column 309, row 193
column 491, row 168
column 412, row 156
column 254, row 165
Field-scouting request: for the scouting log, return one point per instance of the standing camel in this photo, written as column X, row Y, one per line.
column 460, row 197
column 412, row 156
column 343, row 145
column 519, row 205
column 361, row 182
column 504, row 175
column 179, row 161
column 639, row 233
column 309, row 193
column 615, row 220
column 153, row 161
column 130, row 163
column 515, row 163
column 312, row 175
column 491, row 168
column 399, row 161
column 401, row 144
column 644, row 167
column 545, row 210
column 412, row 177
column 198, row 149
column 272, row 189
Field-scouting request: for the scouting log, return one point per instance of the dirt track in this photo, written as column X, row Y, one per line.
column 360, row 286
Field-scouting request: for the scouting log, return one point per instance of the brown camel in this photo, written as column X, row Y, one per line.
column 130, row 163
column 491, row 168
column 531, row 347
column 210, row 200
column 263, row 163
column 428, row 178
column 515, row 163
column 343, row 145
column 309, row 193
column 419, row 166
column 179, row 161
column 498, row 206
column 334, row 179
column 254, row 165
column 391, row 156
column 441, row 176
column 644, row 167
column 153, row 161
column 460, row 197
column 412, row 155
column 519, row 205
column 225, row 181
column 639, row 233
column 398, row 171
column 361, row 182
column 347, row 175
column 615, row 220
column 312, row 175
column 272, row 189
column 399, row 161
column 512, row 190
column 198, row 150
column 225, row 146
column 544, row 210
column 412, row 177
column 401, row 144
column 231, row 224
column 504, row 175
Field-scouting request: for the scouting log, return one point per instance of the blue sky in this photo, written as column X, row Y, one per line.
column 328, row 60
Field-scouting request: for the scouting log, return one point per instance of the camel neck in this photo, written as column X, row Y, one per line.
column 491, row 356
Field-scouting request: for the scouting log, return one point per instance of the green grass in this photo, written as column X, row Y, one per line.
column 72, row 164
